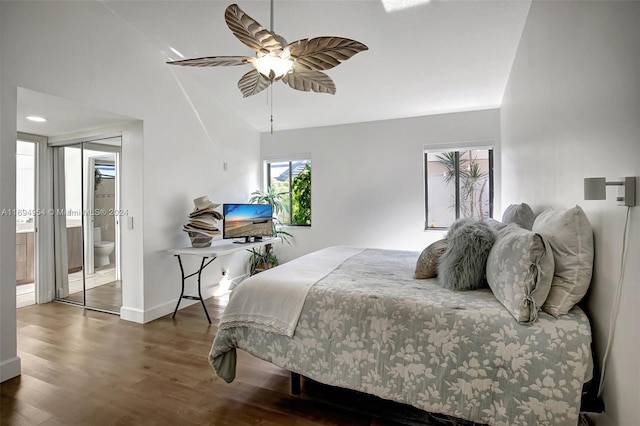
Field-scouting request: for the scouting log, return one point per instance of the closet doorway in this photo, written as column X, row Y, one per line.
column 86, row 181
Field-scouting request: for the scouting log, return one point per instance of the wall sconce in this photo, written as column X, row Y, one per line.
column 595, row 189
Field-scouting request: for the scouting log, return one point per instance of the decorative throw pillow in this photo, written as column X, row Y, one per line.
column 519, row 271
column 571, row 239
column 458, row 224
column 428, row 261
column 521, row 214
column 463, row 264
column 495, row 224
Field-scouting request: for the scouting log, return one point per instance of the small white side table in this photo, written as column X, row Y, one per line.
column 208, row 255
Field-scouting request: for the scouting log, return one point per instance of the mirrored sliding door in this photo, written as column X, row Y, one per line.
column 86, row 193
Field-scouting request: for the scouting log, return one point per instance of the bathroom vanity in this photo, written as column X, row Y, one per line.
column 25, row 253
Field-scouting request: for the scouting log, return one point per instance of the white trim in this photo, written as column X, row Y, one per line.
column 167, row 308
column 144, row 316
column 460, row 146
column 488, row 144
column 43, row 243
column 104, row 139
column 276, row 158
column 28, row 137
column 10, row 368
column 132, row 314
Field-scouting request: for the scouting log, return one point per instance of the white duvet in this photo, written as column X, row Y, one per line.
column 272, row 300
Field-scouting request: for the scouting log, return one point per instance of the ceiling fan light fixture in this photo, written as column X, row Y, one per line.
column 299, row 64
column 272, row 67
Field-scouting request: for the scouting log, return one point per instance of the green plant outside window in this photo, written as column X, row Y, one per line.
column 292, row 181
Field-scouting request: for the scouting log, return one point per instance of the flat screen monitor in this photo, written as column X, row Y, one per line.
column 247, row 222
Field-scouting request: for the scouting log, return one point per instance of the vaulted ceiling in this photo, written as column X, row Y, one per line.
column 424, row 57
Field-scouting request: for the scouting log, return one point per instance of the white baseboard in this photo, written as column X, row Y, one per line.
column 132, row 314
column 158, row 311
column 148, row 315
column 9, row 368
column 166, row 308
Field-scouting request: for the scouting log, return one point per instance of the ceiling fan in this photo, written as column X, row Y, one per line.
column 298, row 64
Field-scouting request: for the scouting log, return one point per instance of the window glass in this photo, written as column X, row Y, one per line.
column 474, row 183
column 458, row 184
column 292, row 180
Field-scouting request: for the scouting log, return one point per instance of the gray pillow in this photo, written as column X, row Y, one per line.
column 519, row 271
column 521, row 214
column 463, row 264
column 427, row 264
column 495, row 224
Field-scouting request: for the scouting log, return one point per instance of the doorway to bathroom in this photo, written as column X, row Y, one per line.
column 25, row 223
column 87, row 223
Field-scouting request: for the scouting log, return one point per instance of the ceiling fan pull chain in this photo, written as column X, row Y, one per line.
column 271, row 98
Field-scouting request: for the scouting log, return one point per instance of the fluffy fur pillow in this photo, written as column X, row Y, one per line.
column 463, row 264
column 428, row 260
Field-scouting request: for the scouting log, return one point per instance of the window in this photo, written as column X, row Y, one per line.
column 458, row 184
column 292, row 180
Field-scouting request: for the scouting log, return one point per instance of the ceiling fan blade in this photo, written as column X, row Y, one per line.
column 214, row 61
column 250, row 32
column 323, row 53
column 306, row 81
column 252, row 82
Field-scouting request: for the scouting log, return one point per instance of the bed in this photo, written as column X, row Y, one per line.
column 366, row 324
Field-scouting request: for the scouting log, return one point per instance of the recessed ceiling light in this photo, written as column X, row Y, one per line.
column 36, row 119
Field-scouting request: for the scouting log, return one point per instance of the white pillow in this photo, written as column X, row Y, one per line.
column 569, row 234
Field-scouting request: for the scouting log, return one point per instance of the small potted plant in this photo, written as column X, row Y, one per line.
column 264, row 257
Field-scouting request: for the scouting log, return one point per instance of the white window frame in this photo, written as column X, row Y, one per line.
column 459, row 146
column 289, row 158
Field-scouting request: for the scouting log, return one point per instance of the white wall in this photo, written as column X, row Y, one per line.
column 368, row 179
column 82, row 52
column 572, row 110
column 9, row 361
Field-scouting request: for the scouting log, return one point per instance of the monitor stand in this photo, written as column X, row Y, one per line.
column 247, row 240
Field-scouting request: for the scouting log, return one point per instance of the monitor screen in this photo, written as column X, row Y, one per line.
column 247, row 221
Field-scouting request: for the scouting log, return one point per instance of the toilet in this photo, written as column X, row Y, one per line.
column 101, row 249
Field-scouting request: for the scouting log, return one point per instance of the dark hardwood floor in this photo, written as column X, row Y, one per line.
column 81, row 367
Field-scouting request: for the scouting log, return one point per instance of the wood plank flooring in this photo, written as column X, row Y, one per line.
column 81, row 367
column 107, row 297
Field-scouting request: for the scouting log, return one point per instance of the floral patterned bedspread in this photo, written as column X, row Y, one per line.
column 370, row 326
